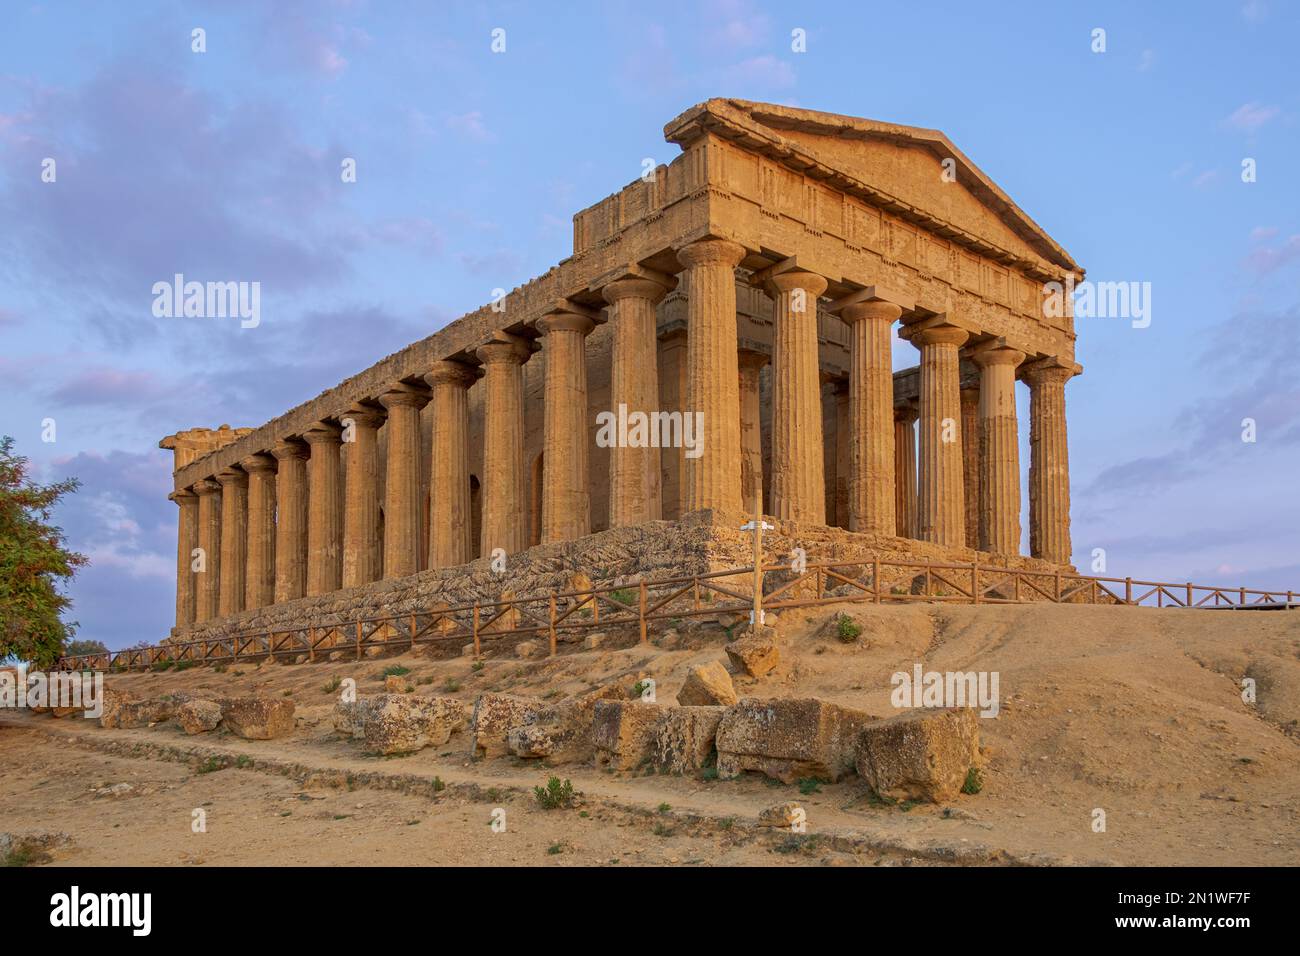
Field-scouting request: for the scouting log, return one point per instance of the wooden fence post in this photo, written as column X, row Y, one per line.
column 476, row 642
column 552, row 626
column 875, row 579
column 357, row 633
column 641, row 611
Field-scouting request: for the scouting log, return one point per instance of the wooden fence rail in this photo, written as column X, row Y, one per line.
column 572, row 614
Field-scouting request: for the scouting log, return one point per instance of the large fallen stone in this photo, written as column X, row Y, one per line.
column 349, row 716
column 623, row 732
column 132, row 714
column 198, row 716
column 919, row 755
column 789, row 738
column 258, row 718
column 397, row 723
column 493, row 718
column 707, row 685
column 112, row 709
column 684, row 740
column 561, row 732
column 755, row 654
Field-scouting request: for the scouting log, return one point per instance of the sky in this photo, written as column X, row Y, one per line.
column 225, row 164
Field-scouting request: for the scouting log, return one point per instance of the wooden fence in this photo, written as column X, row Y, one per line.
column 649, row 604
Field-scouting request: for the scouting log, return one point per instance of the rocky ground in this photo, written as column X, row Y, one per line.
column 1134, row 712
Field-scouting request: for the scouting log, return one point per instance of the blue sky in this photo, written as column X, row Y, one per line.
column 225, row 164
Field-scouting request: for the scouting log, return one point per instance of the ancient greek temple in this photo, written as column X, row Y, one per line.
column 752, row 287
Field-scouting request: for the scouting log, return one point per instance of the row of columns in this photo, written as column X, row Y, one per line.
column 274, row 529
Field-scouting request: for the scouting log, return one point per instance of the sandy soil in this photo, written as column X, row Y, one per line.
column 1136, row 712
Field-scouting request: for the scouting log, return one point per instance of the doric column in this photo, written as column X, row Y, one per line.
column 259, row 578
column 712, row 374
column 871, row 404
column 291, row 520
column 324, row 529
column 504, row 522
column 209, row 582
column 751, row 427
column 844, row 452
column 798, row 476
column 672, row 398
column 234, row 540
column 450, row 523
column 566, row 508
column 1049, row 461
column 999, row 451
column 970, row 463
column 402, row 480
column 187, row 539
column 361, row 556
column 635, row 494
column 941, row 505
column 905, row 470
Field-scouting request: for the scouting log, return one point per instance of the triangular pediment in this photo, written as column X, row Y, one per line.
column 898, row 167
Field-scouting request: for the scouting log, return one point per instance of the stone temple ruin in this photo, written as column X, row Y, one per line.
column 746, row 293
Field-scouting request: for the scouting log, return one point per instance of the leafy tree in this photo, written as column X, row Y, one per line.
column 33, row 560
column 81, row 648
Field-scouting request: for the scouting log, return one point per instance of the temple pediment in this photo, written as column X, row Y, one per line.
column 915, row 172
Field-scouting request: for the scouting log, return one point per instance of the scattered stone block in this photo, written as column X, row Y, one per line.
column 684, row 740
column 593, row 642
column 467, row 650
column 527, row 650
column 707, row 685
column 781, row 816
column 335, row 656
column 198, row 716
column 494, row 716
column 349, row 716
column 258, row 718
column 373, row 652
column 112, row 707
column 789, row 738
column 755, row 654
column 623, row 732
column 142, row 713
column 396, row 723
column 393, row 684
column 919, row 755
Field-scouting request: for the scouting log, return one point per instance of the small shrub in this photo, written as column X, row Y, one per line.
column 709, row 773
column 185, row 665
column 810, row 785
column 162, row 666
column 219, row 668
column 555, row 849
column 438, row 785
column 847, row 629
column 555, row 794
column 476, row 666
column 974, row 781
column 451, row 685
column 663, row 831
column 394, row 670
column 332, row 685
column 243, row 760
column 640, row 688
column 624, row 596
column 664, row 807
column 797, row 843
column 211, row 765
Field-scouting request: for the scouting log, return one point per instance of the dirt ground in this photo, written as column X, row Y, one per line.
column 1134, row 712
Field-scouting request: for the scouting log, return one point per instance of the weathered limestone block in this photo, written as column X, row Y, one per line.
column 349, row 716
column 394, row 684
column 141, row 713
column 198, row 716
column 919, row 755
column 684, row 740
column 493, row 717
column 258, row 718
column 781, row 816
column 755, row 654
column 112, row 707
column 623, row 732
column 789, row 738
column 395, row 723
column 527, row 650
column 707, row 685
column 562, row 732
